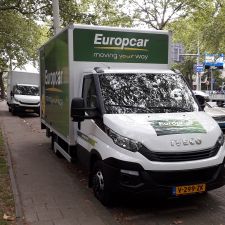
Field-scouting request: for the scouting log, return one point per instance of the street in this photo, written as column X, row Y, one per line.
column 55, row 192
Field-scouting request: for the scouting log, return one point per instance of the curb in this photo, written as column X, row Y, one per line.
column 18, row 205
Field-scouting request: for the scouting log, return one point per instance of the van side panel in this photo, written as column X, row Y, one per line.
column 55, row 84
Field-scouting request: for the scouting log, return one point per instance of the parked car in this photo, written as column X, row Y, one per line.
column 211, row 108
column 216, row 112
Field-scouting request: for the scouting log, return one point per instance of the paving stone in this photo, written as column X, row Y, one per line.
column 51, row 194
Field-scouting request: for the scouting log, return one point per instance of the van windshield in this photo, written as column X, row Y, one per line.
column 26, row 90
column 146, row 93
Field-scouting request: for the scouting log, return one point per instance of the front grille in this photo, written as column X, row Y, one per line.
column 185, row 177
column 180, row 156
column 26, row 103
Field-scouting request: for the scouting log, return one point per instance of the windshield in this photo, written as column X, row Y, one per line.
column 146, row 93
column 26, row 90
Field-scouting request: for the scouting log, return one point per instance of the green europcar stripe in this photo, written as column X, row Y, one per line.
column 86, row 138
column 168, row 127
column 54, row 59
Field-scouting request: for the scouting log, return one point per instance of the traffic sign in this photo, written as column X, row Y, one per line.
column 198, row 68
column 214, row 60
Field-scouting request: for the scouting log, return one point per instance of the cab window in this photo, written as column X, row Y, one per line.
column 89, row 93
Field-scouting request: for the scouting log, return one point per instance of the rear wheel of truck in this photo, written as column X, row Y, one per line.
column 99, row 186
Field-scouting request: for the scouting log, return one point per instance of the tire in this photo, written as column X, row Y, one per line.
column 99, row 186
column 10, row 109
column 52, row 141
column 14, row 112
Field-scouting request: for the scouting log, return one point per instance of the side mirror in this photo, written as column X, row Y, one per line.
column 201, row 101
column 77, row 109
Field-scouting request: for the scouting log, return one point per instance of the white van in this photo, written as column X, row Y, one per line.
column 23, row 92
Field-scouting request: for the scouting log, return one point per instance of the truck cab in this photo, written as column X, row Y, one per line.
column 136, row 136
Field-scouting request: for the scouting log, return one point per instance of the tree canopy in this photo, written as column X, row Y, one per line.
column 192, row 22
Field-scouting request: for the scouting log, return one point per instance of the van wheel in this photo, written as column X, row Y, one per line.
column 52, row 141
column 99, row 185
column 14, row 112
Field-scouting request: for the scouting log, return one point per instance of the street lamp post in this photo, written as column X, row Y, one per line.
column 212, row 79
column 198, row 76
column 56, row 16
column 198, row 87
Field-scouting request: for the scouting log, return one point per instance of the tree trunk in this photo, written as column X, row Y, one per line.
column 2, row 88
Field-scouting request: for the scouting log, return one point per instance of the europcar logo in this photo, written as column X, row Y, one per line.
column 54, row 79
column 118, row 43
column 121, row 46
column 177, row 126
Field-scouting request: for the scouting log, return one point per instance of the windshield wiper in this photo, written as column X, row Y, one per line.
column 149, row 109
column 131, row 107
column 172, row 108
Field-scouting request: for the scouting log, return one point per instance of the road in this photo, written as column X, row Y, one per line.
column 55, row 192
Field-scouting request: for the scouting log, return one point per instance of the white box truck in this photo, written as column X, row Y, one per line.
column 23, row 92
column 109, row 98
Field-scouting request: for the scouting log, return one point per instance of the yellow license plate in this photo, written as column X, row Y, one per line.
column 189, row 189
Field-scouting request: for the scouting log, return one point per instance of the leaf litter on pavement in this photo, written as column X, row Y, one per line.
column 7, row 205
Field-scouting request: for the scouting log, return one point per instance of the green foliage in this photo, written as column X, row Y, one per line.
column 90, row 12
column 192, row 22
column 19, row 40
column 6, row 196
column 204, row 25
column 186, row 68
column 109, row 13
column 157, row 14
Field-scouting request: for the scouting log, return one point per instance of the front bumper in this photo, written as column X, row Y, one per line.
column 130, row 177
column 27, row 109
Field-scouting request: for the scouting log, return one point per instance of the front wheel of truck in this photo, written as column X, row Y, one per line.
column 13, row 111
column 99, row 185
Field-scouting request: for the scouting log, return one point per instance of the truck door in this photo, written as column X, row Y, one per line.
column 89, row 93
column 87, row 133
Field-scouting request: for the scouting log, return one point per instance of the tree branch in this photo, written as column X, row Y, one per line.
column 4, row 7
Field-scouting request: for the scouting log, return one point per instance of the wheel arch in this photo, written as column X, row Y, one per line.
column 95, row 156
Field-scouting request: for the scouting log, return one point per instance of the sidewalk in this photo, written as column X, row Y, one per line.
column 50, row 194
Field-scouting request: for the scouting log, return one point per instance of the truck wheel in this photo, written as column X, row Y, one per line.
column 99, row 185
column 13, row 110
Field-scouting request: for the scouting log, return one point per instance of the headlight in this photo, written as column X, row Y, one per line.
column 124, row 142
column 221, row 139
